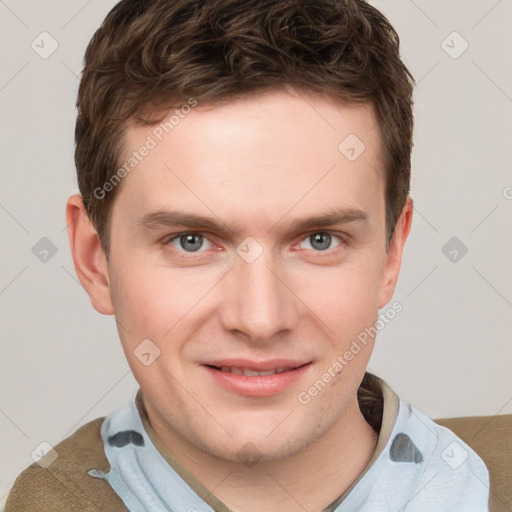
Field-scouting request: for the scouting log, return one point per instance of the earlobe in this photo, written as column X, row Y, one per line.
column 394, row 255
column 88, row 256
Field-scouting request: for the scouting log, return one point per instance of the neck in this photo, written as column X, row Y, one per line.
column 309, row 480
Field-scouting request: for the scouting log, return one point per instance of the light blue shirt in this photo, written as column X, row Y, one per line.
column 422, row 467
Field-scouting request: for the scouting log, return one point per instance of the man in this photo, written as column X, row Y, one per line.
column 274, row 137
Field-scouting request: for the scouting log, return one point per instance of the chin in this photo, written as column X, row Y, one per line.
column 251, row 447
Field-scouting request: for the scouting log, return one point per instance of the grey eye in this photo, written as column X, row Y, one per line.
column 189, row 242
column 320, row 241
column 192, row 242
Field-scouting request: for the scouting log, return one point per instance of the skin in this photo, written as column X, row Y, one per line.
column 257, row 164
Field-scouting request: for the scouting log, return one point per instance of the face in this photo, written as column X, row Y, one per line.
column 251, row 251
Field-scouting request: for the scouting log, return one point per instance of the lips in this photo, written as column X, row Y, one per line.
column 257, row 379
column 254, row 373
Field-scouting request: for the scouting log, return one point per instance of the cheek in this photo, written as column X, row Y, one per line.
column 346, row 301
column 144, row 303
column 345, row 298
column 147, row 308
column 152, row 300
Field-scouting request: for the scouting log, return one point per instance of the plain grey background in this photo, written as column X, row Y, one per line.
column 449, row 350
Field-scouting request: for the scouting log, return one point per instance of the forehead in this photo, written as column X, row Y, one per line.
column 256, row 156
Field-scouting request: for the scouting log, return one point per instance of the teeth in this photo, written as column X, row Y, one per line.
column 267, row 372
column 249, row 373
column 254, row 373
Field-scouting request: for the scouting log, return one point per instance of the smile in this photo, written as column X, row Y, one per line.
column 253, row 373
column 263, row 379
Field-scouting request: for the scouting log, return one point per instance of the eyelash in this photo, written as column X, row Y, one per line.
column 340, row 236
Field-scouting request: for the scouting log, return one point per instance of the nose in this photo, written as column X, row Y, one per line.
column 258, row 301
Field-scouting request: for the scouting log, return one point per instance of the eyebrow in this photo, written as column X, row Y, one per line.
column 162, row 218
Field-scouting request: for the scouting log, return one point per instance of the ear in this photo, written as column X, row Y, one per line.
column 88, row 256
column 394, row 254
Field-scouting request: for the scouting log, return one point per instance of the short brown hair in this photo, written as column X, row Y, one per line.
column 150, row 55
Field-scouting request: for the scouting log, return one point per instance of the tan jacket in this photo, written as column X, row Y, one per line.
column 65, row 485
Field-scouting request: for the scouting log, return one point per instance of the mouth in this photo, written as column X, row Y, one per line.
column 261, row 379
column 252, row 373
